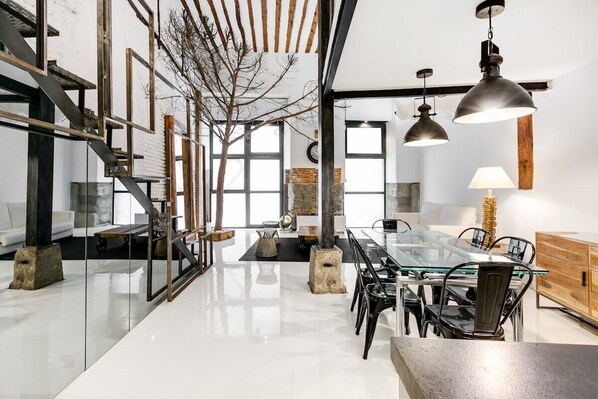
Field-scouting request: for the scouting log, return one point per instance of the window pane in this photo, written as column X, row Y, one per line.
column 234, row 210
column 264, row 207
column 179, row 176
column 180, row 211
column 237, row 148
column 364, row 174
column 364, row 140
column 265, row 175
column 362, row 210
column 178, row 145
column 266, row 139
column 234, row 177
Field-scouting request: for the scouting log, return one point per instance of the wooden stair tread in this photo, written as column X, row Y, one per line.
column 121, row 154
column 68, row 80
column 150, row 179
column 23, row 19
column 91, row 120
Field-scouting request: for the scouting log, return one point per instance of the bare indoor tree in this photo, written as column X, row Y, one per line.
column 232, row 85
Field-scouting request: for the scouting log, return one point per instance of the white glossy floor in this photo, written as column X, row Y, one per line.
column 253, row 330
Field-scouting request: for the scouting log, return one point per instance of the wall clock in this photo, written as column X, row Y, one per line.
column 312, row 151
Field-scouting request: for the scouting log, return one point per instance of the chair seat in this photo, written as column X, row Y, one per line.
column 458, row 322
column 391, row 290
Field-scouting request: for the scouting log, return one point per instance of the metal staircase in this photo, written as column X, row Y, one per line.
column 16, row 24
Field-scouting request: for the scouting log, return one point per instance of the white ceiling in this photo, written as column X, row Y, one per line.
column 389, row 40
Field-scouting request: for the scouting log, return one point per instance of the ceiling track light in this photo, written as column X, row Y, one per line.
column 425, row 132
column 494, row 98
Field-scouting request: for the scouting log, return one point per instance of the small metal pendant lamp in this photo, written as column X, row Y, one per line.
column 425, row 132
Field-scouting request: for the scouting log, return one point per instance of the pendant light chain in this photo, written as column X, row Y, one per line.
column 490, row 32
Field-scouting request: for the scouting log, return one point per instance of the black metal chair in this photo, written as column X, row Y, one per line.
column 392, row 224
column 485, row 318
column 480, row 239
column 517, row 249
column 378, row 296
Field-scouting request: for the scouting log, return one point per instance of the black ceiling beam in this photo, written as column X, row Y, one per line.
column 16, row 87
column 430, row 91
column 343, row 23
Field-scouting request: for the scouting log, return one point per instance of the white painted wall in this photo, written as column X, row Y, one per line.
column 566, row 166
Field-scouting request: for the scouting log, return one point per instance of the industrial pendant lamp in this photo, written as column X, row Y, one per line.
column 425, row 132
column 494, row 98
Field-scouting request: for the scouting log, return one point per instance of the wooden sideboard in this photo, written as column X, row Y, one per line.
column 572, row 259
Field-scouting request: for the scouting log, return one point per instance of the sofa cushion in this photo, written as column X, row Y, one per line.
column 12, row 236
column 457, row 215
column 61, row 227
column 17, row 211
column 430, row 213
column 4, row 217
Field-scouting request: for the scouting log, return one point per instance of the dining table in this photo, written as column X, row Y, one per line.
column 424, row 256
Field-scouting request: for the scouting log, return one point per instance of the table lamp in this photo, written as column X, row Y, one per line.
column 489, row 178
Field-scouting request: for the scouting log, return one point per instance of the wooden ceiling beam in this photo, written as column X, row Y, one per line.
column 291, row 21
column 277, row 25
column 239, row 22
column 265, row 24
column 312, row 32
column 217, row 22
column 230, row 25
column 252, row 23
column 303, row 13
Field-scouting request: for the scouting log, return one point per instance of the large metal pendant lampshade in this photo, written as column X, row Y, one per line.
column 494, row 98
column 425, row 132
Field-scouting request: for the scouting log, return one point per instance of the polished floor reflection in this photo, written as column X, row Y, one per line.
column 253, row 330
column 43, row 342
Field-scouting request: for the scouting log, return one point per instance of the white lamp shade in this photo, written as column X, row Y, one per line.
column 491, row 177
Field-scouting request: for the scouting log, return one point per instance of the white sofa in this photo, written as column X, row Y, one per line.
column 449, row 219
column 12, row 225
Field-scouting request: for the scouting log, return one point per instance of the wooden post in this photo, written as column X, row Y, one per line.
column 170, row 161
column 40, row 176
column 188, row 175
column 326, row 141
column 525, row 145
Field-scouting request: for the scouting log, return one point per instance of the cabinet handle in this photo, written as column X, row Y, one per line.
column 584, row 279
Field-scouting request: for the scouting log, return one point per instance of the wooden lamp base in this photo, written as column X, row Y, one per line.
column 489, row 215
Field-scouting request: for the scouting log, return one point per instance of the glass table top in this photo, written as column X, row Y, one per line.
column 432, row 251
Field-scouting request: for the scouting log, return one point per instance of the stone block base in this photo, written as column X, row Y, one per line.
column 36, row 268
column 325, row 271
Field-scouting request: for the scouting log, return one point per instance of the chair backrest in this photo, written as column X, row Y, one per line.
column 493, row 281
column 517, row 249
column 392, row 224
column 368, row 264
column 480, row 238
column 355, row 257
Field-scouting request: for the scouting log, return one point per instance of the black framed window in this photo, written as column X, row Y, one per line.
column 365, row 172
column 254, row 176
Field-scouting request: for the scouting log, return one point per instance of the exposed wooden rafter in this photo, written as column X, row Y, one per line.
column 277, row 25
column 265, row 24
column 239, row 23
column 312, row 31
column 216, row 21
column 228, row 23
column 303, row 13
column 291, row 20
column 252, row 23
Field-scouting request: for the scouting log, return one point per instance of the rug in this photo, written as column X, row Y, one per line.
column 289, row 251
column 73, row 248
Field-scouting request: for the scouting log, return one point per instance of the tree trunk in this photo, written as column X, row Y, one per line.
column 220, row 187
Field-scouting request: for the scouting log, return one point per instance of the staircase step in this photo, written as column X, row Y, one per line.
column 150, row 179
column 23, row 19
column 158, row 199
column 121, row 154
column 68, row 80
column 91, row 119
